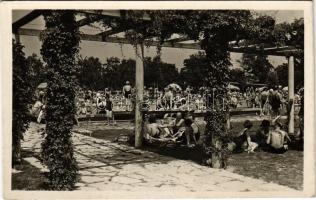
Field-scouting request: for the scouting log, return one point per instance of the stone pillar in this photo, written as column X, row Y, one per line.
column 291, row 93
column 139, row 51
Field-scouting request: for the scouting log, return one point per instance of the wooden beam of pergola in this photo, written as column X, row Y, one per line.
column 26, row 19
column 88, row 20
column 276, row 51
column 95, row 15
column 113, row 31
column 111, row 13
column 180, row 39
column 111, row 39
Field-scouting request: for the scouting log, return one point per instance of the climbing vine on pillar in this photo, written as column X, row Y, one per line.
column 22, row 97
column 217, row 79
column 59, row 50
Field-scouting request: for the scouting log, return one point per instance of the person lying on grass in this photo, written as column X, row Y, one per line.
column 157, row 132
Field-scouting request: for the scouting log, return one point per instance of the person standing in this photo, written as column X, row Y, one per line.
column 275, row 101
column 127, row 93
column 109, row 108
column 168, row 98
column 127, row 90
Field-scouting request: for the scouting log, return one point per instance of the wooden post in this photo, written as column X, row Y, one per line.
column 291, row 93
column 17, row 37
column 139, row 51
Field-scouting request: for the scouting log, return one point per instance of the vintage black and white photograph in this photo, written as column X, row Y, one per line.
column 158, row 100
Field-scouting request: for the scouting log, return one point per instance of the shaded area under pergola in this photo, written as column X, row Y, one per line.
column 182, row 42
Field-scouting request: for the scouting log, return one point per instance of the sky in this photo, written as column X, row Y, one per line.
column 103, row 50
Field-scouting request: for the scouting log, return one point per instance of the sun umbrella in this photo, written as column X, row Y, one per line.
column 42, row 86
column 262, row 88
column 233, row 87
column 174, row 87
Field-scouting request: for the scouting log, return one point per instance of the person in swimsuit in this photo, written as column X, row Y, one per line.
column 127, row 90
column 109, row 108
column 243, row 140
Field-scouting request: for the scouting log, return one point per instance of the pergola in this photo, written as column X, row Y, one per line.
column 177, row 42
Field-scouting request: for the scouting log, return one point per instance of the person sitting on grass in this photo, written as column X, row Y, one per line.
column 195, row 129
column 178, row 122
column 262, row 134
column 243, row 140
column 179, row 127
column 156, row 132
column 277, row 139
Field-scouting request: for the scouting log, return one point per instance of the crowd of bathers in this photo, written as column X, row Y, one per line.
column 271, row 101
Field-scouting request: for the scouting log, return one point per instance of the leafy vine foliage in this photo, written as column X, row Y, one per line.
column 59, row 50
column 22, row 97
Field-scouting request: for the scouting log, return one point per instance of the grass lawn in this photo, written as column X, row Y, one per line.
column 284, row 169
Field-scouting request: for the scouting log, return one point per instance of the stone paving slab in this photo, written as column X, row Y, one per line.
column 107, row 166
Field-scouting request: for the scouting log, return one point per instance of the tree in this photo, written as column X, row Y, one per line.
column 112, row 74
column 272, row 79
column 282, row 74
column 90, row 73
column 195, row 68
column 118, row 72
column 256, row 67
column 237, row 75
column 291, row 34
column 38, row 70
column 22, row 96
column 158, row 73
column 59, row 49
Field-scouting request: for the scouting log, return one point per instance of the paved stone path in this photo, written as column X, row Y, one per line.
column 108, row 166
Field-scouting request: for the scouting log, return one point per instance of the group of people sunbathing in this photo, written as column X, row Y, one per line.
column 269, row 137
column 191, row 130
column 174, row 129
